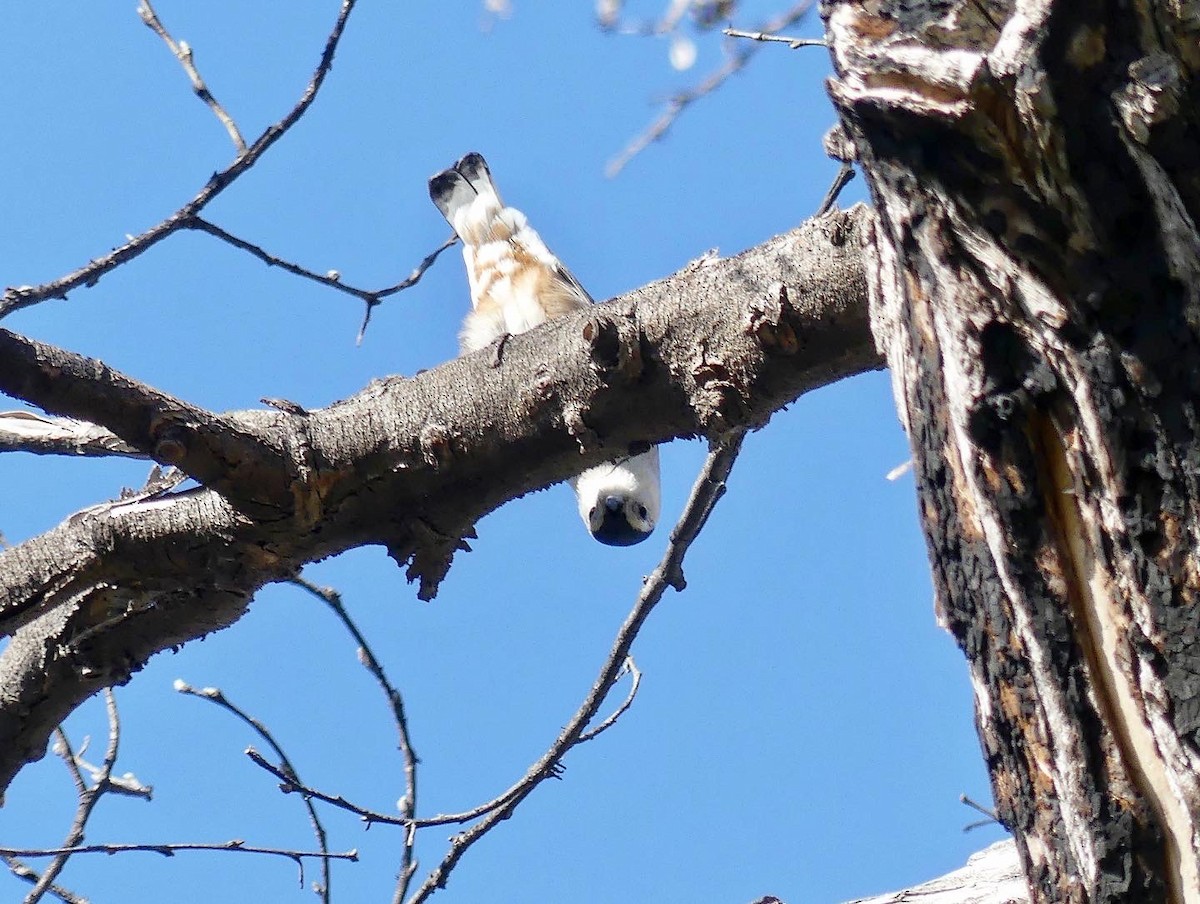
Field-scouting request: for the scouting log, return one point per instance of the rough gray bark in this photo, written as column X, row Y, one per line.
column 409, row 464
column 1034, row 274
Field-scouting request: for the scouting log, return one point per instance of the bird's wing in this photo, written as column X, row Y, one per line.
column 516, row 282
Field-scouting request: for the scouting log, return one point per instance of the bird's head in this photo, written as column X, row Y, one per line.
column 619, row 520
column 619, row 500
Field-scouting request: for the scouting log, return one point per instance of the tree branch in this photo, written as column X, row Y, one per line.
column 991, row 876
column 19, row 297
column 411, row 464
column 215, row 696
column 88, row 798
column 708, row 489
column 32, row 876
column 183, row 53
column 27, row 431
column 244, row 466
column 366, row 656
column 734, row 64
column 170, row 849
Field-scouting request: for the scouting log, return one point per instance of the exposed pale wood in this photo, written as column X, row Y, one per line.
column 991, row 876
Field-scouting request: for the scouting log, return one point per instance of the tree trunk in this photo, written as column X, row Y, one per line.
column 1033, row 277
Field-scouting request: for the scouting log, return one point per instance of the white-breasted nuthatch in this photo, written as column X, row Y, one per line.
column 516, row 284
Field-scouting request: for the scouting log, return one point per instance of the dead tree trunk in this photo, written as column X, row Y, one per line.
column 1034, row 275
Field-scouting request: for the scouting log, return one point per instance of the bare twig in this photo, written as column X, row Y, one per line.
column 289, row 784
column 681, row 101
column 214, row 695
column 32, row 876
column 408, row 803
column 331, row 279
column 993, row 817
column 709, row 487
column 630, row 667
column 183, row 53
column 410, row 280
column 844, row 174
column 88, row 798
column 792, row 43
column 610, row 21
column 170, row 850
column 19, row 297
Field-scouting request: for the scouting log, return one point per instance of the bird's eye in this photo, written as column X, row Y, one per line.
column 642, row 513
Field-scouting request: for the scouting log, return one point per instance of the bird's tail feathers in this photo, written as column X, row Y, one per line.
column 466, row 196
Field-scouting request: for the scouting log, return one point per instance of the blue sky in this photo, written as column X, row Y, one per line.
column 803, row 728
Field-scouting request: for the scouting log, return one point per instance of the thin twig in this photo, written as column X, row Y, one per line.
column 844, row 174
column 792, row 43
column 709, row 488
column 408, row 803
column 19, row 297
column 993, row 816
column 411, row 280
column 648, row 27
column 214, row 695
column 183, row 53
column 170, row 850
column 289, row 784
column 88, row 797
column 636, row 673
column 28, row 874
column 681, row 101
column 331, row 279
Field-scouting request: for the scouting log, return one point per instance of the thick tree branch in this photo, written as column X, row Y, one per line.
column 245, row 466
column 411, row 464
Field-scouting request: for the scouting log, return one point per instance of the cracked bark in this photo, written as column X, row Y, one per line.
column 408, row 463
column 1033, row 276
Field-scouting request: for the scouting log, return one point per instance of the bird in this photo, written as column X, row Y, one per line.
column 516, row 284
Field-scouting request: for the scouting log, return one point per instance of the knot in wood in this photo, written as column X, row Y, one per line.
column 838, row 144
column 171, row 445
column 587, row 438
column 436, row 447
column 1151, row 97
column 543, row 382
column 768, row 322
column 612, row 353
column 717, row 401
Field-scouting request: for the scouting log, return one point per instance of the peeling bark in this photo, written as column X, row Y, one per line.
column 409, row 464
column 1034, row 277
